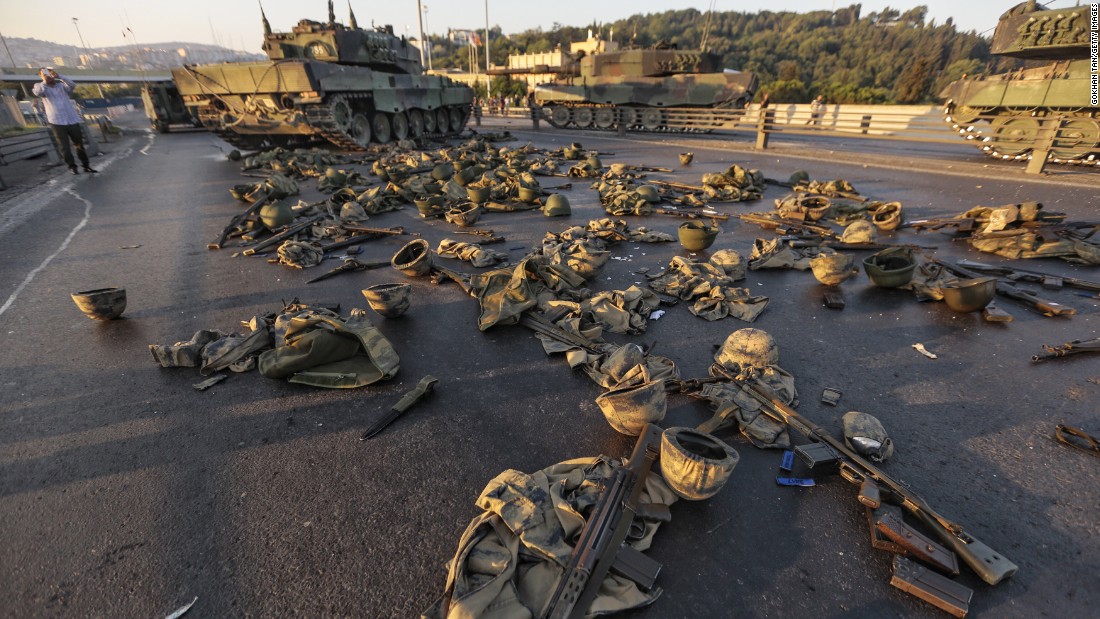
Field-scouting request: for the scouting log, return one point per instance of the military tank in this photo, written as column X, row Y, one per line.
column 325, row 81
column 1002, row 114
column 660, row 89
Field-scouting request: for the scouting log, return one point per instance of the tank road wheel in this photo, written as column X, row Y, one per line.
column 380, row 126
column 652, row 119
column 558, row 116
column 629, row 116
column 400, row 126
column 341, row 113
column 457, row 120
column 582, row 116
column 441, row 120
column 360, row 130
column 416, row 124
column 1015, row 136
column 429, row 122
column 1076, row 139
column 604, row 117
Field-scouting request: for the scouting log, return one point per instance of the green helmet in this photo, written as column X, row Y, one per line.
column 594, row 162
column 799, row 177
column 276, row 214
column 649, row 194
column 234, row 155
column 748, row 347
column 556, row 205
column 443, row 171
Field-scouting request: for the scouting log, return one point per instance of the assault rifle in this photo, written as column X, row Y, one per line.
column 1016, row 274
column 874, row 484
column 600, row 547
column 1069, row 348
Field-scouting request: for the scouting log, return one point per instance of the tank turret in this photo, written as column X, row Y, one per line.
column 1031, row 31
column 333, row 42
column 325, row 80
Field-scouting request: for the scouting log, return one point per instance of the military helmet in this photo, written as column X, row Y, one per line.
column 101, row 303
column 443, row 171
column 748, row 347
column 556, row 205
column 234, row 155
column 594, row 162
column 859, row 231
column 695, row 464
column 629, row 409
column 649, row 194
column 799, row 177
column 731, row 262
column 864, row 434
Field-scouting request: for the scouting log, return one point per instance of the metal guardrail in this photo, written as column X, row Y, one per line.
column 1035, row 139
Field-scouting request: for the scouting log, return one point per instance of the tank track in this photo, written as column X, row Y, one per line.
column 973, row 132
column 637, row 127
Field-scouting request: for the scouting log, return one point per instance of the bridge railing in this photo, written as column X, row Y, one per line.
column 1034, row 139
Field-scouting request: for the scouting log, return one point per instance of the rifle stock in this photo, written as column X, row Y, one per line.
column 988, row 564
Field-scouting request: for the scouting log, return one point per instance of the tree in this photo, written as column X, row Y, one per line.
column 913, row 83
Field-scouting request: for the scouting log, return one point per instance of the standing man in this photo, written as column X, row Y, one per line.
column 817, row 108
column 65, row 121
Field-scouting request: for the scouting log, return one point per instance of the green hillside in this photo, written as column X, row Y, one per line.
column 885, row 57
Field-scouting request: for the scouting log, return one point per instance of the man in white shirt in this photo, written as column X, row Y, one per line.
column 61, row 114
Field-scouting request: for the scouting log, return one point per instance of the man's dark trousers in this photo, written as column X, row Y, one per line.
column 66, row 133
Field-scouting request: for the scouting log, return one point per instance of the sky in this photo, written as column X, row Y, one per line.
column 236, row 23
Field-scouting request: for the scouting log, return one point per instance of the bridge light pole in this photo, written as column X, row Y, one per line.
column 87, row 53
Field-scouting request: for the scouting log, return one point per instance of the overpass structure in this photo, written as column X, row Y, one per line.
column 87, row 76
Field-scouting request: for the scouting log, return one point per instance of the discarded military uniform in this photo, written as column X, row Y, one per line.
column 619, row 311
column 621, row 198
column 317, row 347
column 236, row 352
column 929, row 279
column 714, row 293
column 470, row 252
column 511, row 557
column 184, row 354
column 276, row 186
column 300, row 254
column 750, row 354
column 774, row 254
column 616, row 230
column 736, row 184
column 504, row 294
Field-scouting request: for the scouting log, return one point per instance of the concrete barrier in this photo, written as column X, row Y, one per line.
column 26, row 145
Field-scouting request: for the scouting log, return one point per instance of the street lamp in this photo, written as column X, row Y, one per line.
column 428, row 42
column 87, row 54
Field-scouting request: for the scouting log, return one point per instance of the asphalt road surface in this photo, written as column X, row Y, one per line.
column 126, row 493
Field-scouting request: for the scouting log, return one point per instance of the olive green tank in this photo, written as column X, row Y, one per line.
column 663, row 89
column 325, row 81
column 1002, row 114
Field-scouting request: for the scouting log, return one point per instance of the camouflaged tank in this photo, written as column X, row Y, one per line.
column 648, row 89
column 325, row 81
column 1001, row 113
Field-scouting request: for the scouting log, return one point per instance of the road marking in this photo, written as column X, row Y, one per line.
column 152, row 137
column 46, row 262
